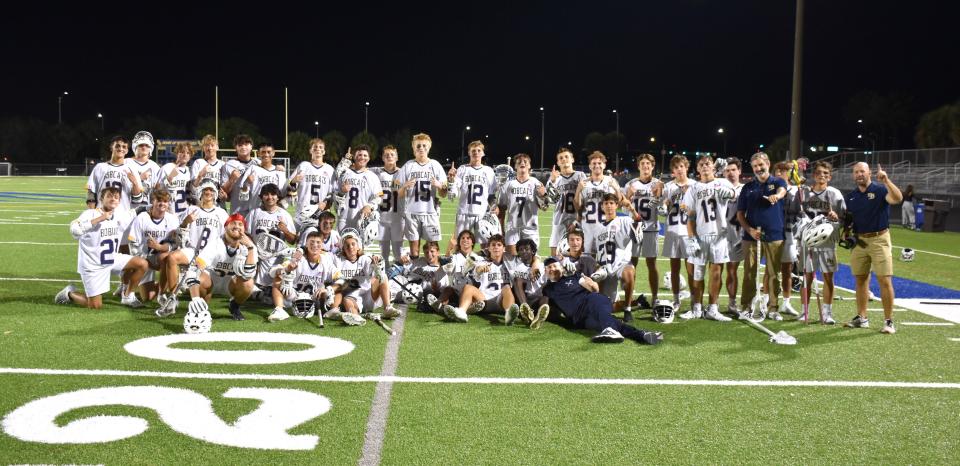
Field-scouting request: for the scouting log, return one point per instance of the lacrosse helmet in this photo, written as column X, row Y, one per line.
column 563, row 247
column 307, row 217
column 197, row 322
column 351, row 233
column 142, row 137
column 817, row 236
column 487, row 226
column 907, row 255
column 553, row 194
column 303, row 305
column 663, row 311
column 370, row 227
column 208, row 184
column 411, row 294
column 796, row 280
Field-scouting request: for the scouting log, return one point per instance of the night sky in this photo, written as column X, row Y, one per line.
column 676, row 70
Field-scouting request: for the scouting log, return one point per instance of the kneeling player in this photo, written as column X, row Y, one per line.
column 490, row 287
column 99, row 231
column 359, row 283
column 303, row 276
column 614, row 246
column 578, row 299
column 148, row 236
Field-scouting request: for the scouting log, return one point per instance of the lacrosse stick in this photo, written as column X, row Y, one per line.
column 168, row 302
column 780, row 338
column 804, row 255
column 758, row 306
column 376, row 317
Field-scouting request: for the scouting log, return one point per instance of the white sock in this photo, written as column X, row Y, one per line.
column 698, row 307
column 712, row 308
column 828, row 307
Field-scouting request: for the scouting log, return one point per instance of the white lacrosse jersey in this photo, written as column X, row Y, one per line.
column 262, row 177
column 99, row 242
column 815, row 203
column 615, row 241
column 261, row 221
column 144, row 226
column 518, row 200
column 458, row 277
column 645, row 202
column 425, row 273
column 213, row 174
column 517, row 269
column 364, row 189
column 331, row 244
column 151, row 169
column 236, row 165
column 475, row 186
column 391, row 213
column 492, row 281
column 179, row 188
column 316, row 184
column 676, row 215
column 221, row 264
column 564, row 211
column 591, row 200
column 708, row 201
column 362, row 270
column 734, row 229
column 208, row 226
column 106, row 174
column 420, row 198
column 311, row 277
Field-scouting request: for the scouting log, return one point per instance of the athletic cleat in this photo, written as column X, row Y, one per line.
column 434, row 303
column 774, row 315
column 786, row 308
column 277, row 315
column 63, row 297
column 691, row 314
column 744, row 315
column 858, row 322
column 652, row 338
column 475, row 307
column 235, row 313
column 642, row 303
column 712, row 314
column 676, row 304
column 627, row 316
column 131, row 301
column 888, row 327
column 734, row 311
column 352, row 319
column 510, row 315
column 459, row 315
column 608, row 335
column 542, row 313
column 826, row 318
column 526, row 314
column 333, row 314
column 447, row 311
column 391, row 312
column 120, row 291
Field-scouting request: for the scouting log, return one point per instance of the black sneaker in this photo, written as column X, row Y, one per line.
column 628, row 316
column 642, row 303
column 235, row 310
column 652, row 338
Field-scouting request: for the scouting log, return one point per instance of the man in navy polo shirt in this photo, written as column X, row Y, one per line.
column 760, row 213
column 870, row 205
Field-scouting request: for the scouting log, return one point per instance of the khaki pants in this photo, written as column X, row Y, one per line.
column 772, row 251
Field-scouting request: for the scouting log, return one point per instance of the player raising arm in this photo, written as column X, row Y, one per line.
column 475, row 184
column 115, row 174
column 421, row 181
column 520, row 202
column 646, row 194
column 561, row 189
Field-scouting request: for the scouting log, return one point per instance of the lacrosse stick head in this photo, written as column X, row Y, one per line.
column 758, row 307
column 782, row 338
column 269, row 245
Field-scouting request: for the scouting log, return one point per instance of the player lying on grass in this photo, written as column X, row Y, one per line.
column 646, row 195
column 359, row 283
column 561, row 188
column 303, row 277
column 488, row 289
column 224, row 268
column 520, row 201
column 150, row 237
column 614, row 246
column 526, row 273
column 99, row 231
column 475, row 184
column 577, row 297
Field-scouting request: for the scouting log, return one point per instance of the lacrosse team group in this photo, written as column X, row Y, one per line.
column 214, row 228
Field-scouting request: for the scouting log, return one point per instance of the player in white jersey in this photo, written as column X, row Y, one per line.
column 265, row 173
column 175, row 178
column 731, row 172
column 489, row 288
column 563, row 185
column 98, row 231
column 235, row 171
column 706, row 204
column 527, row 280
column 425, row 270
column 147, row 170
column 307, row 272
column 675, row 234
column 359, row 287
column 270, row 219
column 614, row 246
column 391, row 213
column 149, row 237
column 475, row 184
column 208, row 167
column 828, row 201
column 421, row 181
column 362, row 189
column 115, row 174
column 313, row 179
column 791, row 210
column 645, row 193
column 519, row 205
column 588, row 200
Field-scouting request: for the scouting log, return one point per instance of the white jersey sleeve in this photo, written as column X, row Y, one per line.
column 615, row 241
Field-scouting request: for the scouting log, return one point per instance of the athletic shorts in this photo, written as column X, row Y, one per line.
column 391, row 231
column 674, row 245
column 208, row 255
column 713, row 250
column 262, row 277
column 512, row 236
column 493, row 305
column 789, row 252
column 363, row 298
column 876, row 256
column 609, row 287
column 97, row 282
column 421, row 227
column 558, row 231
column 468, row 222
column 820, row 260
column 648, row 247
column 736, row 249
column 220, row 283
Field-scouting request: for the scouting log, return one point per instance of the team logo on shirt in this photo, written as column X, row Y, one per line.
column 871, row 196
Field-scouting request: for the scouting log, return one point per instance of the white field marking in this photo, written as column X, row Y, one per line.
column 880, row 309
column 945, row 312
column 479, row 380
column 929, row 252
column 928, row 324
column 954, row 339
column 4, row 221
column 38, row 244
column 159, row 348
column 379, row 411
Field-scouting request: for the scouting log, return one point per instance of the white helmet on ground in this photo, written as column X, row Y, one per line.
column 304, row 306
column 817, row 236
column 663, row 311
column 197, row 322
column 412, row 293
column 907, row 255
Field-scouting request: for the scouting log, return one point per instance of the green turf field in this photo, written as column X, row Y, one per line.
column 445, row 393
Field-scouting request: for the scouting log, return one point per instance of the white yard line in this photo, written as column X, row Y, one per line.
column 930, row 252
column 379, row 411
column 928, row 324
column 40, row 244
column 480, row 380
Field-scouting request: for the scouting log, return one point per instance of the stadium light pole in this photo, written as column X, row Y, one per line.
column 723, row 135
column 316, row 125
column 463, row 141
column 617, row 139
column 366, row 116
column 100, row 117
column 60, row 107
column 795, row 137
column 543, row 125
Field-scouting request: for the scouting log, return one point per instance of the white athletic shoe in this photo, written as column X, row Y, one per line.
column 459, row 315
column 774, row 315
column 608, row 335
column 510, row 315
column 788, row 309
column 691, row 314
column 858, row 322
column 826, row 318
column 278, row 314
column 120, row 291
column 734, row 310
column 168, row 306
column 712, row 314
column 333, row 314
column 352, row 319
column 888, row 327
column 391, row 312
column 63, row 297
column 433, row 302
column 131, row 300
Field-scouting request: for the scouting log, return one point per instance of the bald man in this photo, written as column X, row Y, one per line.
column 870, row 205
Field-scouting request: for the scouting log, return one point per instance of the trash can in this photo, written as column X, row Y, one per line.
column 935, row 215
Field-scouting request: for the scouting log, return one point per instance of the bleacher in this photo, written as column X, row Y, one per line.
column 934, row 173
